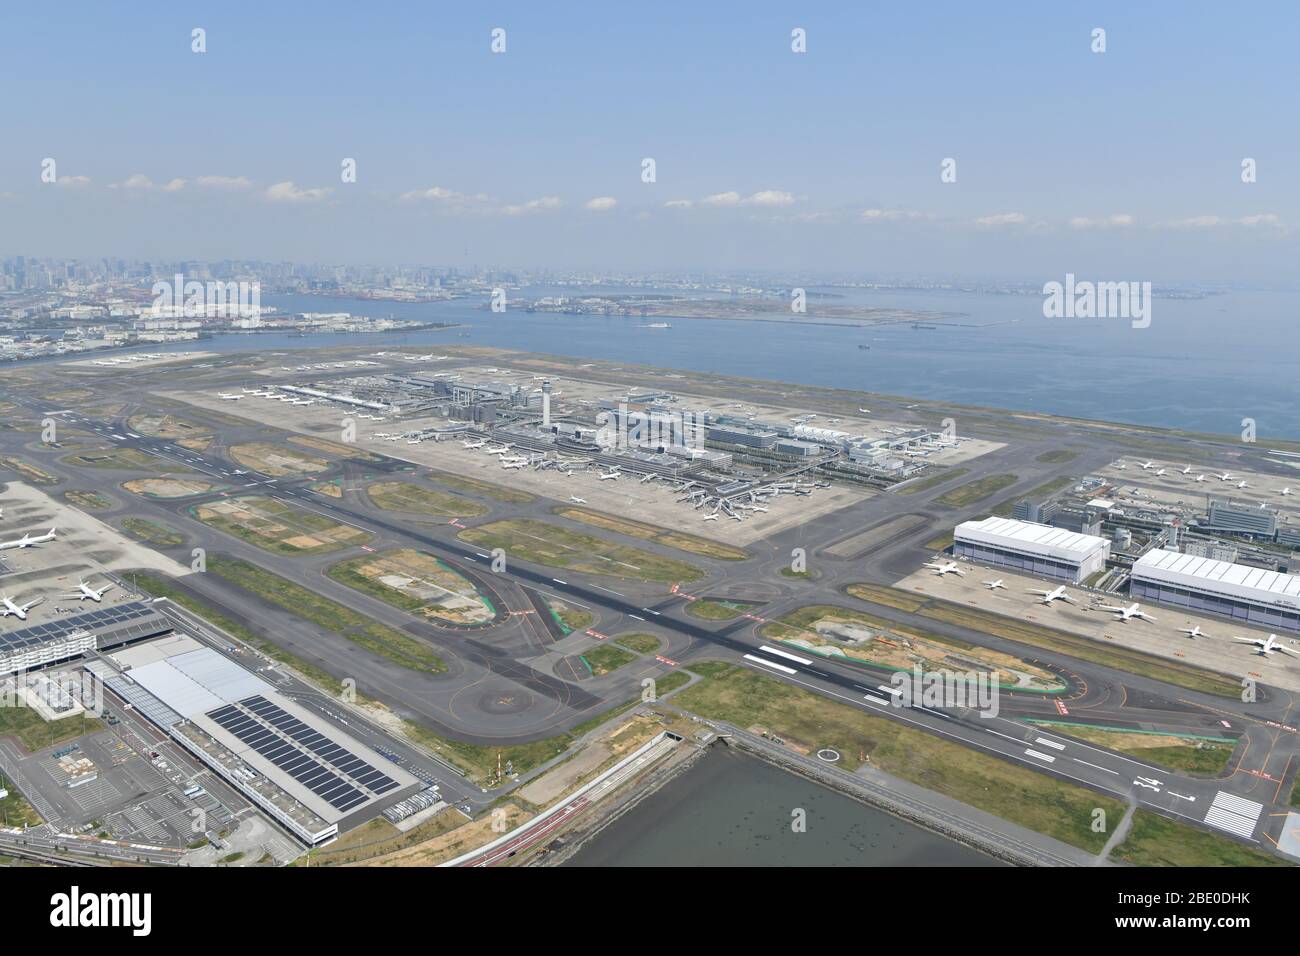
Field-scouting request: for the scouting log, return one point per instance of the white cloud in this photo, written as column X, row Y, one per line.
column 1002, row 219
column 433, row 194
column 141, row 183
column 288, row 192
column 721, row 199
column 770, row 197
column 1256, row 220
column 1119, row 220
column 679, row 204
column 543, row 204
column 601, row 204
column 224, row 182
column 894, row 215
column 72, row 182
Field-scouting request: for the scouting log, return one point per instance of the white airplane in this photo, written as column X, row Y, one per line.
column 27, row 540
column 1266, row 647
column 1159, row 472
column 865, row 411
column 1242, row 484
column 1120, row 466
column 1194, row 631
column 612, row 476
column 19, row 610
column 86, row 591
column 1226, row 476
column 943, row 568
column 1200, row 478
column 712, row 517
column 230, row 397
column 994, row 585
column 576, row 500
column 513, row 464
column 1186, row 471
column 474, row 444
column 1125, row 614
column 1148, row 465
column 649, row 476
column 1049, row 596
column 498, row 451
column 1285, row 491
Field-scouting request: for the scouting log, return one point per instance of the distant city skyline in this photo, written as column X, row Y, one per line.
column 1125, row 164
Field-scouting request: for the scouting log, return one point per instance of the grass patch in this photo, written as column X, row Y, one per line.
column 413, row 499
column 121, row 459
column 276, row 461
column 711, row 610
column 87, row 500
column 485, row 488
column 556, row 547
column 974, row 491
column 931, row 481
column 1154, row 840
column 1057, row 456
column 641, row 643
column 153, row 532
column 1045, row 490
column 29, row 472
column 35, row 733
column 417, row 583
column 809, row 721
column 648, row 532
column 1049, row 638
column 605, row 658
column 1196, row 755
column 379, row 639
column 570, row 618
column 278, row 527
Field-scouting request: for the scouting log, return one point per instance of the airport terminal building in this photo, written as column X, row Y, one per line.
column 1255, row 596
column 1032, row 548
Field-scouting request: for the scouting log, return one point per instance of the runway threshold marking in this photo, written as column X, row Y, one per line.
column 1043, row 757
column 772, row 664
column 788, row 656
column 1049, row 743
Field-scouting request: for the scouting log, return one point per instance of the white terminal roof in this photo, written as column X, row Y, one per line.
column 1219, row 577
column 1023, row 536
column 197, row 681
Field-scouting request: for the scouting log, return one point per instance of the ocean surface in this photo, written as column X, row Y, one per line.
column 1203, row 364
column 730, row 809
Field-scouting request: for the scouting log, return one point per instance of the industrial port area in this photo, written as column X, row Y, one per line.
column 467, row 607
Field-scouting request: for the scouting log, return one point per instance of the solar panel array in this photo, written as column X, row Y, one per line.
column 307, row 755
column 140, row 619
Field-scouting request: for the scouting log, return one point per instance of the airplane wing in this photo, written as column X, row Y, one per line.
column 1066, row 597
column 1285, row 650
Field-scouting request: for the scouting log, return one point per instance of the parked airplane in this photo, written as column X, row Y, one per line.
column 1186, row 471
column 1200, row 477
column 1226, row 476
column 1049, row 596
column 27, row 540
column 85, row 591
column 230, row 397
column 1147, row 465
column 612, row 476
column 944, row 568
column 18, row 610
column 498, row 451
column 1286, row 490
column 1241, row 484
column 513, row 464
column 1194, row 631
column 650, row 476
column 474, row 444
column 1266, row 647
column 994, row 585
column 1159, row 472
column 711, row 517
column 1125, row 614
column 865, row 411
column 576, row 500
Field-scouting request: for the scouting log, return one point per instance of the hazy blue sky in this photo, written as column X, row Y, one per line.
column 1126, row 163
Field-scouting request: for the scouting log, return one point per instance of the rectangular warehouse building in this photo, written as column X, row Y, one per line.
column 1032, row 548
column 1250, row 595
